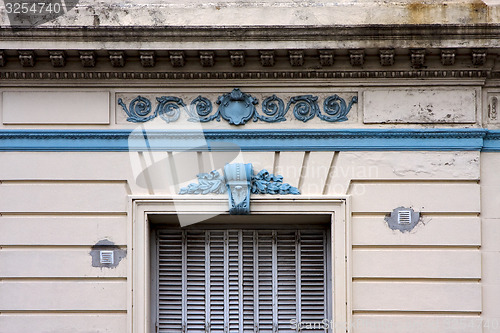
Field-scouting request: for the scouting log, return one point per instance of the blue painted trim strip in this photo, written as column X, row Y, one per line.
column 492, row 141
column 251, row 140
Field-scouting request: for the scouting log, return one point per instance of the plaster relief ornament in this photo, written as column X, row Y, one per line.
column 274, row 109
column 27, row 58
column 239, row 181
column 200, row 110
column 148, row 58
column 140, row 111
column 237, row 107
column 238, row 177
column 336, row 108
column 57, row 58
column 326, row 57
column 211, row 182
column 88, row 58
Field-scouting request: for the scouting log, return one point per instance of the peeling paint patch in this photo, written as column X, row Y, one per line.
column 106, row 245
column 419, row 106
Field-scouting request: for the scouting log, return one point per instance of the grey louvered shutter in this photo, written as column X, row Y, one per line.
column 312, row 276
column 195, row 280
column 170, row 279
column 216, row 305
column 264, row 282
column 249, row 261
column 240, row 280
column 286, row 269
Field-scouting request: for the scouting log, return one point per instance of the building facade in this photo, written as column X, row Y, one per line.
column 251, row 167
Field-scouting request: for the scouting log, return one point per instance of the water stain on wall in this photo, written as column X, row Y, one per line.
column 432, row 12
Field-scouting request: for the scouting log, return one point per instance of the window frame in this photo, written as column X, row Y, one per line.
column 139, row 247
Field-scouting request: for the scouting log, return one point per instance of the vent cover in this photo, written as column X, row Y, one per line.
column 106, row 257
column 404, row 217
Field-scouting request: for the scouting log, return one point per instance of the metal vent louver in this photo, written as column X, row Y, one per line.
column 404, row 217
column 106, row 257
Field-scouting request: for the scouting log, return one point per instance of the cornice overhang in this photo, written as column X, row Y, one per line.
column 250, row 52
column 438, row 35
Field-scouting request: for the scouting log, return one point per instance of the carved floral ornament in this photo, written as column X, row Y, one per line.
column 239, row 182
column 238, row 108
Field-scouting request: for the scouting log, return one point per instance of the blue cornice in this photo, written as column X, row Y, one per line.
column 251, row 140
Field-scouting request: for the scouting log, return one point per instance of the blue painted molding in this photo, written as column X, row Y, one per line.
column 491, row 141
column 251, row 140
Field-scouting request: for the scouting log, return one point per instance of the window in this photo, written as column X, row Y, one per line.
column 150, row 217
column 242, row 280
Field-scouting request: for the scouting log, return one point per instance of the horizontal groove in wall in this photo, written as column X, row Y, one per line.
column 72, row 312
column 417, row 313
column 427, row 214
column 422, row 212
column 61, row 181
column 65, row 213
column 53, row 247
column 83, row 279
column 416, row 181
column 415, row 280
column 417, row 247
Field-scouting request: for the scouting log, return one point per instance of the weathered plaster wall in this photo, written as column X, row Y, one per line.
column 490, row 196
column 313, row 12
column 56, row 206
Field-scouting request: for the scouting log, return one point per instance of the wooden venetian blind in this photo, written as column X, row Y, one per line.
column 240, row 280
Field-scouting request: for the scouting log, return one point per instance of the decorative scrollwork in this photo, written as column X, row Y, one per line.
column 274, row 110
column 238, row 108
column 267, row 183
column 168, row 108
column 306, row 107
column 200, row 109
column 211, row 182
column 139, row 110
column 336, row 108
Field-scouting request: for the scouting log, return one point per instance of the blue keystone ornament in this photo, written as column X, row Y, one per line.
column 238, row 178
